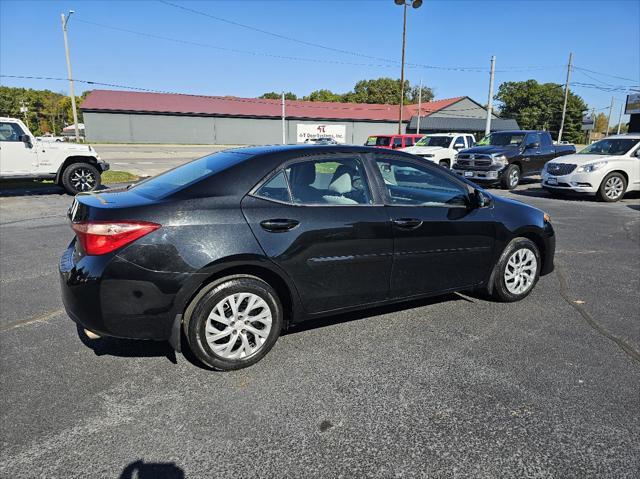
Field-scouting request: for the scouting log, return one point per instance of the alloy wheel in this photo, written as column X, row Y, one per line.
column 520, row 272
column 514, row 178
column 238, row 326
column 614, row 187
column 82, row 179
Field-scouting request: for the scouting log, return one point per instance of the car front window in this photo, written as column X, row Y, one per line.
column 10, row 132
column 611, row 146
column 411, row 184
column 502, row 139
column 441, row 141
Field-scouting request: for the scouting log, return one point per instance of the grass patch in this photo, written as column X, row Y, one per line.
column 111, row 176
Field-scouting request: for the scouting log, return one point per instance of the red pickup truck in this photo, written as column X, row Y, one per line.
column 392, row 141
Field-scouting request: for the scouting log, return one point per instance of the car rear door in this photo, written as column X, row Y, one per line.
column 440, row 242
column 319, row 220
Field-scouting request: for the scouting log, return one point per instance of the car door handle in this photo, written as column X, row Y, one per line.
column 279, row 225
column 407, row 223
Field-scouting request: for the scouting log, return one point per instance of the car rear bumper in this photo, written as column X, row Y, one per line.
column 113, row 297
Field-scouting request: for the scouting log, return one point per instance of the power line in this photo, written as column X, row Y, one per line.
column 349, row 52
column 232, row 50
column 604, row 74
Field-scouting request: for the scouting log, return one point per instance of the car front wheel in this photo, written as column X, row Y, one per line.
column 235, row 324
column 510, row 178
column 517, row 271
column 612, row 187
column 80, row 177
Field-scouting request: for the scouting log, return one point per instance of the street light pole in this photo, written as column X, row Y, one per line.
column 414, row 4
column 69, row 74
column 404, row 37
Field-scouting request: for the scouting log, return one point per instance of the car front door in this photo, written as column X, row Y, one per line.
column 533, row 157
column 322, row 223
column 17, row 158
column 441, row 242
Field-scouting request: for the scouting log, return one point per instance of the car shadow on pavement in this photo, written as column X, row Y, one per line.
column 10, row 188
column 152, row 470
column 128, row 348
column 370, row 312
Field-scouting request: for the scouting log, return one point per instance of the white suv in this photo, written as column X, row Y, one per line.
column 75, row 167
column 607, row 168
column 441, row 148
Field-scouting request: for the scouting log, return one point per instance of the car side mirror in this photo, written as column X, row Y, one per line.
column 458, row 147
column 25, row 139
column 535, row 144
column 482, row 199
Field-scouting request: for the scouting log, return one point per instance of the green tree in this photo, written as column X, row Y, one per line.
column 538, row 106
column 324, row 95
column 413, row 94
column 379, row 90
column 601, row 123
column 272, row 95
column 47, row 111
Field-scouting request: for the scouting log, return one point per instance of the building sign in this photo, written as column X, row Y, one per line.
column 633, row 104
column 309, row 132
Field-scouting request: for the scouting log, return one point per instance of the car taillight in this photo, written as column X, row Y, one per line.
column 102, row 237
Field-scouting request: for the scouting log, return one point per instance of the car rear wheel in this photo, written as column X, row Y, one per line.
column 511, row 178
column 612, row 187
column 79, row 177
column 517, row 271
column 235, row 324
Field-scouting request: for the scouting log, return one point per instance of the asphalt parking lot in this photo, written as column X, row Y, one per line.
column 448, row 387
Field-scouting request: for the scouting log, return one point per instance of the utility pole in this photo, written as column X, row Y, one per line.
column 566, row 97
column 487, row 126
column 419, row 107
column 593, row 116
column 404, row 38
column 69, row 74
column 620, row 119
column 24, row 110
column 284, row 123
column 609, row 118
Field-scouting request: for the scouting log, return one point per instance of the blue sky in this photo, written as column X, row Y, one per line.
column 603, row 35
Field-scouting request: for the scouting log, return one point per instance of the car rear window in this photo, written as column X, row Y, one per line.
column 185, row 175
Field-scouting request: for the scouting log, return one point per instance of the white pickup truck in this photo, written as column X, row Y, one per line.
column 75, row 167
column 441, row 148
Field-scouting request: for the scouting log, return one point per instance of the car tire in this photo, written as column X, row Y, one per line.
column 517, row 271
column 511, row 178
column 612, row 188
column 445, row 164
column 220, row 331
column 80, row 177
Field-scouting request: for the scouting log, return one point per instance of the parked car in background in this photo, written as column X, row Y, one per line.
column 233, row 247
column 321, row 141
column 505, row 157
column 607, row 168
column 393, row 142
column 441, row 148
column 22, row 156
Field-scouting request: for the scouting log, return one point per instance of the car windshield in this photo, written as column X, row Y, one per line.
column 378, row 141
column 178, row 178
column 442, row 141
column 502, row 139
column 610, row 146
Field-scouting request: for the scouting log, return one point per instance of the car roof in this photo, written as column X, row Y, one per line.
column 302, row 148
column 447, row 134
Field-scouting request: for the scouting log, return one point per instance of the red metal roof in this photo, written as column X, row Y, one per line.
column 171, row 103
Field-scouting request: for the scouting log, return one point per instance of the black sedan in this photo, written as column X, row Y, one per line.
column 233, row 247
